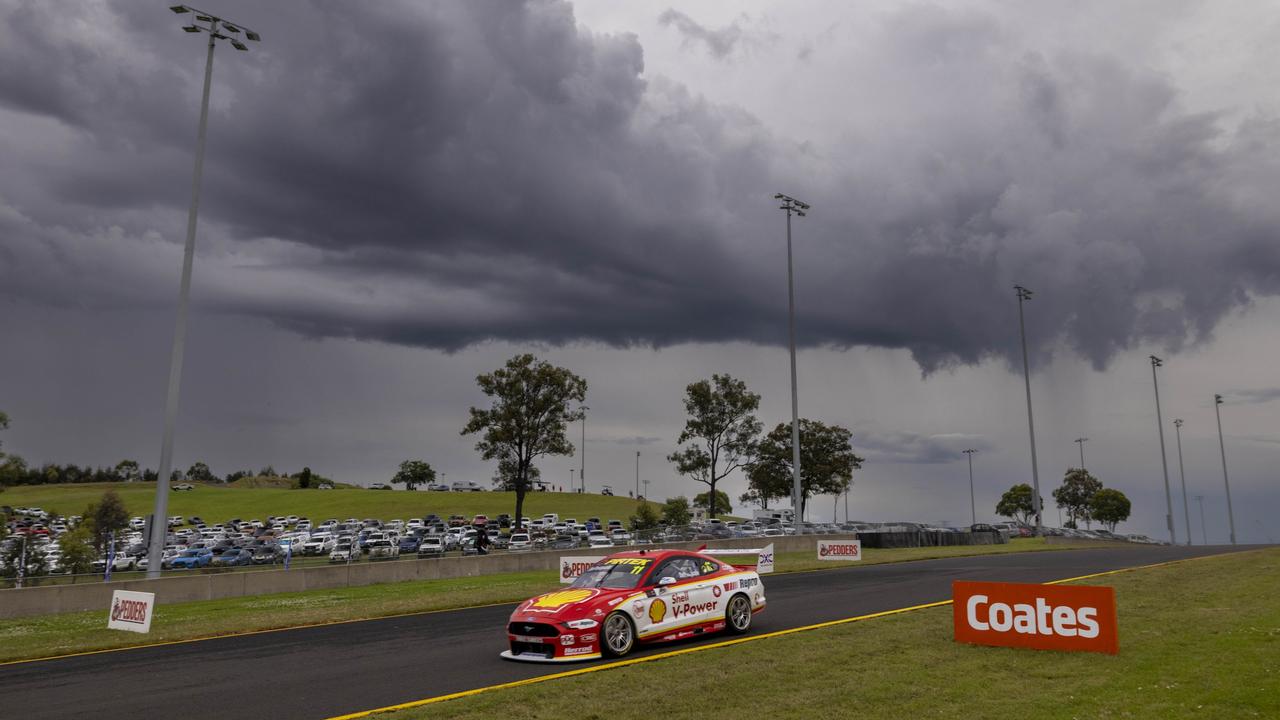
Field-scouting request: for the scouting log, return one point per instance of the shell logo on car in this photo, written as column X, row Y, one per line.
column 657, row 611
column 561, row 598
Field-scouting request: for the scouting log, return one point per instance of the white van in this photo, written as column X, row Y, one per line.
column 466, row 486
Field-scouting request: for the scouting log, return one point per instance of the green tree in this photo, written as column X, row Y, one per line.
column 703, row 501
column 414, row 473
column 827, row 462
column 199, row 472
column 128, row 470
column 645, row 518
column 1109, row 507
column 721, row 430
column 528, row 417
column 508, row 470
column 1016, row 504
column 77, row 550
column 106, row 516
column 4, row 425
column 1076, row 494
column 304, row 478
column 23, row 554
column 675, row 511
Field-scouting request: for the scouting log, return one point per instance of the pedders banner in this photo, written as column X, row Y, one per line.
column 572, row 566
column 131, row 611
column 839, row 549
column 1074, row 618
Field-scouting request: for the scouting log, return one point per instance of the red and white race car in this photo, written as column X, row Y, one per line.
column 643, row 596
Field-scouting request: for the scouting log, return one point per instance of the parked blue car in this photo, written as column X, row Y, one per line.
column 192, row 559
column 232, row 558
column 409, row 544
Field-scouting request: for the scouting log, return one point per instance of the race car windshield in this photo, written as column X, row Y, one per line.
column 613, row 574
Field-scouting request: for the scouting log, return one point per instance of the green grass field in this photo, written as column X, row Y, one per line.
column 214, row 503
column 78, row 632
column 1198, row 639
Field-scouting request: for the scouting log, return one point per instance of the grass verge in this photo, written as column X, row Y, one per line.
column 35, row 637
column 1198, row 639
column 218, row 503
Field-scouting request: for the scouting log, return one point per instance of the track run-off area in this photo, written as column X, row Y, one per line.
column 331, row 670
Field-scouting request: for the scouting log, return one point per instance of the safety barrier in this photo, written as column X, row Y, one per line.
column 54, row 599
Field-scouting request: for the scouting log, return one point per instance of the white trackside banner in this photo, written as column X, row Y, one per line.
column 839, row 549
column 131, row 611
column 572, row 566
column 764, row 556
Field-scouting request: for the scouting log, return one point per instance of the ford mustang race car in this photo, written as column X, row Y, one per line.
column 643, row 596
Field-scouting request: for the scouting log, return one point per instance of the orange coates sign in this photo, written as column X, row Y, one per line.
column 1072, row 618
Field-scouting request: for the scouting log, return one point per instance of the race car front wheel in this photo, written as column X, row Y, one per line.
column 619, row 635
column 738, row 614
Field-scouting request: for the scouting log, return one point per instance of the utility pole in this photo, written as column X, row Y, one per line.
column 973, row 507
column 1182, row 472
column 1231, row 517
column 792, row 205
column 637, row 474
column 217, row 29
column 582, row 472
column 1025, row 295
column 1164, row 462
column 1081, row 441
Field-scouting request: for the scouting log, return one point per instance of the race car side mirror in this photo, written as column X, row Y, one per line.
column 667, row 581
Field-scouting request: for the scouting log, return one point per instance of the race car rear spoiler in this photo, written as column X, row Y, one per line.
column 758, row 559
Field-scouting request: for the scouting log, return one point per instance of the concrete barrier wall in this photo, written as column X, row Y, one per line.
column 199, row 585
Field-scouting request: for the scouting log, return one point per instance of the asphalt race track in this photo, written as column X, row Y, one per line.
column 325, row 671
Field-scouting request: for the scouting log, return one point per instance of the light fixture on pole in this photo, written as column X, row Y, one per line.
column 798, row 208
column 1081, row 441
column 1182, row 473
column 215, row 27
column 1222, row 446
column 582, row 472
column 973, row 507
column 1023, row 296
column 1164, row 462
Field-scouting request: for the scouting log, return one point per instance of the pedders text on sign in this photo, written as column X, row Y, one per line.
column 131, row 611
column 840, row 550
column 1072, row 618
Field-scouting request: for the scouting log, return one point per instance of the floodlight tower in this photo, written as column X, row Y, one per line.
column 217, row 29
column 1182, row 473
column 1023, row 296
column 798, row 208
column 1231, row 518
column 1164, row 462
column 973, row 507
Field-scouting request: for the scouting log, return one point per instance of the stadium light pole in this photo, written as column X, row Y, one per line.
column 1164, row 462
column 582, row 471
column 1204, row 531
column 1222, row 446
column 1182, row 473
column 1081, row 441
column 217, row 29
column 1024, row 295
column 797, row 207
column 973, row 507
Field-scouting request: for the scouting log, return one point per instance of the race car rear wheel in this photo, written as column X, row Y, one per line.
column 619, row 635
column 738, row 615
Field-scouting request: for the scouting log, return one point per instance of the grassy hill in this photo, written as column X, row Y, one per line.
column 216, row 503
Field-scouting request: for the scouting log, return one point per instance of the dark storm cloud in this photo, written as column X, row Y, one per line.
column 1255, row 396
column 442, row 174
column 913, row 448
column 720, row 43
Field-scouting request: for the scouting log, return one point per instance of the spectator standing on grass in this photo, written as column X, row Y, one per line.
column 482, row 543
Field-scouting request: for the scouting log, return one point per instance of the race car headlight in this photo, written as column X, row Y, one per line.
column 581, row 624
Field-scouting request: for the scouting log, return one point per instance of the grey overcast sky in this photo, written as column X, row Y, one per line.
column 399, row 196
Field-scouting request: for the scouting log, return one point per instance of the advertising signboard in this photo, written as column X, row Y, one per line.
column 1042, row 617
column 131, row 611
